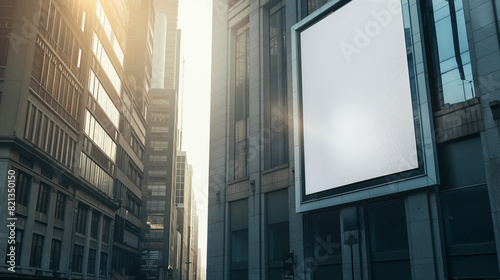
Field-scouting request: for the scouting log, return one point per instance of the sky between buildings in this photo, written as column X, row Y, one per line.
column 195, row 21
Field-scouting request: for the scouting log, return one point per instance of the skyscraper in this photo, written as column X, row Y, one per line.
column 160, row 235
column 73, row 135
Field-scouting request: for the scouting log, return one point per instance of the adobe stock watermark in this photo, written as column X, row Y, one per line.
column 11, row 220
column 364, row 36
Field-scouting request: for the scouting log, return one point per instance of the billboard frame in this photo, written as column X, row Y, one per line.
column 427, row 173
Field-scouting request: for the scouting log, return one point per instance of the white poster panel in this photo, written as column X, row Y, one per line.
column 358, row 120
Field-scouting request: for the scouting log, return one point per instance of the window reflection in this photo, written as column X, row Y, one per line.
column 455, row 82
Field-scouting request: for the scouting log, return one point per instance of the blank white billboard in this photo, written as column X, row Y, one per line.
column 357, row 113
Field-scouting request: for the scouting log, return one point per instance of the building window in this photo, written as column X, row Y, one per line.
column 157, row 158
column 99, row 136
column 77, row 258
column 106, row 65
column 46, row 172
column 449, row 50
column 18, row 247
column 36, row 251
column 276, row 114
column 239, row 239
column 156, row 205
column 46, row 135
column 103, row 267
column 26, row 161
column 108, row 30
column 325, row 245
column 388, row 240
column 51, row 74
column 313, row 5
column 156, row 221
column 278, row 237
column 55, row 254
column 133, row 206
column 94, row 224
column 42, row 203
column 91, row 262
column 95, row 175
column 241, row 91
column 154, row 234
column 159, row 130
column 4, row 48
column 105, row 229
column 159, row 145
column 157, row 189
column 157, row 173
column 119, row 229
column 159, row 116
column 23, row 186
column 81, row 219
column 466, row 212
column 60, row 206
column 102, row 97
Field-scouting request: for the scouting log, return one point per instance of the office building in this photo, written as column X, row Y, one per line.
column 302, row 187
column 131, row 160
column 73, row 132
column 187, row 219
column 162, row 243
column 160, row 234
column 183, row 192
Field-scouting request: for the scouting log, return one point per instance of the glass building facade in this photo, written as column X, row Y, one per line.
column 447, row 229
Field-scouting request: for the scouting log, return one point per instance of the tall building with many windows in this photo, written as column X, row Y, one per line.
column 277, row 207
column 162, row 243
column 160, row 249
column 187, row 220
column 73, row 134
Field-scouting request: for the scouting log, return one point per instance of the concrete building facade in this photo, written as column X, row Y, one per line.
column 448, row 229
column 73, row 135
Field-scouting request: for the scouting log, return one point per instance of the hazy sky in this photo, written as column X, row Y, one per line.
column 195, row 21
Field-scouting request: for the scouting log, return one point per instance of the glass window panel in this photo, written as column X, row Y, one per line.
column 467, row 216
column 387, row 226
column 394, row 270
column 239, row 246
column 55, row 254
column 453, row 55
column 36, row 251
column 325, row 229
column 461, row 163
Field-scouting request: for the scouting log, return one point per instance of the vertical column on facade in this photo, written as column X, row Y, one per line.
column 222, row 254
column 85, row 260
column 99, row 245
column 255, row 254
column 68, row 234
column 263, row 245
column 296, row 233
column 254, row 240
column 30, row 221
column 420, row 237
column 351, row 257
column 436, row 231
column 111, row 230
column 47, row 241
column 363, row 246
